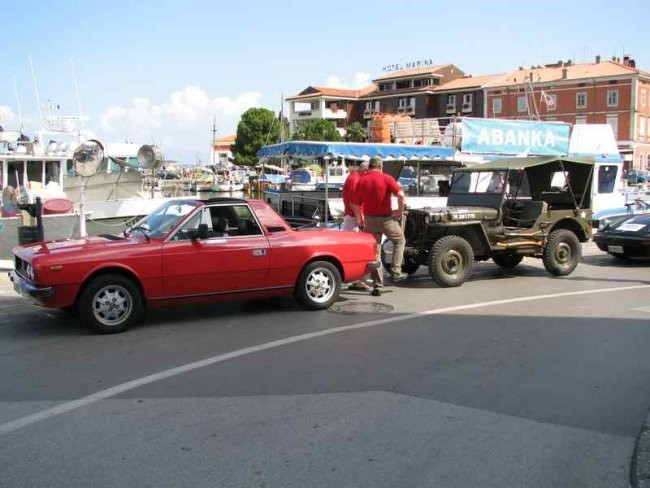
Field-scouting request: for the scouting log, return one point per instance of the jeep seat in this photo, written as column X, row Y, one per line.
column 530, row 212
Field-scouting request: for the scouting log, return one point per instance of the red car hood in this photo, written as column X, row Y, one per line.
column 67, row 247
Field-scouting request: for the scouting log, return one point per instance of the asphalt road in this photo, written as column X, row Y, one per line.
column 512, row 380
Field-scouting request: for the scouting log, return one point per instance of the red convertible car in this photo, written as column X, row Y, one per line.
column 191, row 251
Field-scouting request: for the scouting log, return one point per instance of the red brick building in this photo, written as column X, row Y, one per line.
column 614, row 92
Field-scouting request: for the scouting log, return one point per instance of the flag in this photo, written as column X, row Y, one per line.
column 549, row 100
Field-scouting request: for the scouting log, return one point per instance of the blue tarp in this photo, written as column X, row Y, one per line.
column 355, row 150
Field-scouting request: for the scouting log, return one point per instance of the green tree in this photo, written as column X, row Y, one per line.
column 317, row 130
column 257, row 127
column 356, row 133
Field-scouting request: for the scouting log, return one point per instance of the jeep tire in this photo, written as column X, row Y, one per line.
column 451, row 260
column 561, row 253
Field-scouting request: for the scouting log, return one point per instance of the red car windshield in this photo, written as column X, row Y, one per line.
column 159, row 222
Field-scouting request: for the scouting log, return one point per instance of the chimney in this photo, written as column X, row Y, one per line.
column 530, row 76
column 564, row 71
column 598, row 59
column 626, row 59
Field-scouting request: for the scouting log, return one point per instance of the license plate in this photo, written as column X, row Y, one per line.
column 615, row 249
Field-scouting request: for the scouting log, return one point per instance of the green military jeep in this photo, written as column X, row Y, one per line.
column 503, row 210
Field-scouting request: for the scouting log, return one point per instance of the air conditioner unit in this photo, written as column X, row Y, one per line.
column 366, row 113
column 410, row 109
column 467, row 107
column 451, row 108
column 401, row 110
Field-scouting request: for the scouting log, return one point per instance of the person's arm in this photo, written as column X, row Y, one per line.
column 401, row 201
column 358, row 214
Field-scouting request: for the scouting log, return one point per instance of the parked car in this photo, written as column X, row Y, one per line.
column 625, row 237
column 191, row 251
column 503, row 210
column 633, row 176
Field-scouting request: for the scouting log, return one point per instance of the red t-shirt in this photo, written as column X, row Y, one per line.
column 374, row 192
column 349, row 191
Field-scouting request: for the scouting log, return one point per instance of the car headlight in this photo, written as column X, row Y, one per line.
column 29, row 271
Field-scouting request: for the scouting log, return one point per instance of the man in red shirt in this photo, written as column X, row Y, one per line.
column 349, row 218
column 374, row 213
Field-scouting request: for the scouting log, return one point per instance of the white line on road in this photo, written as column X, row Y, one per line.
column 130, row 385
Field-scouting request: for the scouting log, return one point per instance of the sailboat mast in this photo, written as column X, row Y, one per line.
column 214, row 137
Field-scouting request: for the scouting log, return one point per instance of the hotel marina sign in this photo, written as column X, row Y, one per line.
column 420, row 63
column 492, row 136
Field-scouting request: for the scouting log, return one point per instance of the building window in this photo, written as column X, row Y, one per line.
column 581, row 100
column 644, row 95
column 422, row 82
column 368, row 106
column 402, row 102
column 314, row 105
column 496, row 105
column 467, row 98
column 522, row 104
column 451, row 100
column 642, row 128
column 612, row 98
column 551, row 101
column 581, row 120
column 399, row 85
column 612, row 120
column 385, row 86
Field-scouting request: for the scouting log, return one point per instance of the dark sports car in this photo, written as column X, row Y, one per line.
column 625, row 237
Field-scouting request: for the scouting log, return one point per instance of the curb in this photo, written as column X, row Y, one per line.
column 640, row 466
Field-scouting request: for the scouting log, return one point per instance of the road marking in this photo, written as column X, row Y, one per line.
column 131, row 385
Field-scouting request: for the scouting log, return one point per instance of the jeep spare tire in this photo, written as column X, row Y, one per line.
column 451, row 261
column 561, row 253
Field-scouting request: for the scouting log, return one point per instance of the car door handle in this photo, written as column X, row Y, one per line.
column 259, row 252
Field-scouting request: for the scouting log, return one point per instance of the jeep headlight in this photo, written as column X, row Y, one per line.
column 427, row 218
column 29, row 271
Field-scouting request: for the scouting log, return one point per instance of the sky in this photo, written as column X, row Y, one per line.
column 160, row 72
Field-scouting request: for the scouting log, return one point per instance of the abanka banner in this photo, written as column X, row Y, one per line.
column 494, row 136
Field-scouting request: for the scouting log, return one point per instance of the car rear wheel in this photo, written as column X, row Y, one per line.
column 318, row 286
column 110, row 303
column 451, row 261
column 561, row 253
column 507, row 260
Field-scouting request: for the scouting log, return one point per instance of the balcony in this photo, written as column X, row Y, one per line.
column 335, row 114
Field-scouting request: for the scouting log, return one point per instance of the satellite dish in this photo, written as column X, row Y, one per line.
column 149, row 157
column 87, row 158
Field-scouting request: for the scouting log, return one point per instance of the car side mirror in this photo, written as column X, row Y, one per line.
column 201, row 232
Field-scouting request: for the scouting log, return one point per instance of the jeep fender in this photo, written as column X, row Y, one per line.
column 583, row 235
column 472, row 232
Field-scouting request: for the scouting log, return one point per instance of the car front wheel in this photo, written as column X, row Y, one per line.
column 451, row 261
column 318, row 286
column 561, row 253
column 110, row 303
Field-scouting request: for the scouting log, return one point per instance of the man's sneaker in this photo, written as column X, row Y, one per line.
column 398, row 276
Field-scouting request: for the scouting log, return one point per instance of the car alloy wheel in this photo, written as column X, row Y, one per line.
column 319, row 285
